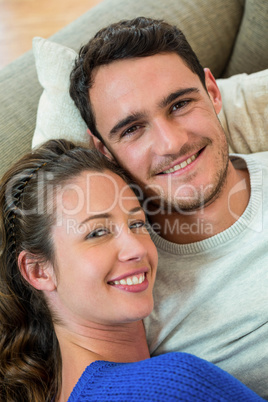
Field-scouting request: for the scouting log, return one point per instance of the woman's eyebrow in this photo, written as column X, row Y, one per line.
column 135, row 210
column 107, row 215
column 97, row 216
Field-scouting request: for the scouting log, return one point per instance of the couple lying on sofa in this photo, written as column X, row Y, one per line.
column 71, row 313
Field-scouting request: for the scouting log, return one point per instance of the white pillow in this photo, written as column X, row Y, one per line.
column 57, row 115
column 244, row 115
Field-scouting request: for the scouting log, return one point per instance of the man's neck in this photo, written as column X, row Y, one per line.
column 211, row 219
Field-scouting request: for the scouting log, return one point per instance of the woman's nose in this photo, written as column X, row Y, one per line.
column 131, row 247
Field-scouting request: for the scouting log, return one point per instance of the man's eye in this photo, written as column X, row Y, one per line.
column 130, row 130
column 98, row 233
column 179, row 105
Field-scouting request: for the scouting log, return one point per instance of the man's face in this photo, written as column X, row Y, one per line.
column 161, row 125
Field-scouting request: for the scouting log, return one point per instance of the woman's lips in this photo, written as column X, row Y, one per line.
column 132, row 283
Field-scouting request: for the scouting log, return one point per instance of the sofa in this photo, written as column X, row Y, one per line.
column 229, row 36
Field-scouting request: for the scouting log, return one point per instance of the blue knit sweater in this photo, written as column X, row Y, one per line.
column 168, row 377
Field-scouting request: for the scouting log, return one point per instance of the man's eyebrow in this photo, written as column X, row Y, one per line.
column 133, row 117
column 174, row 95
column 126, row 121
column 97, row 216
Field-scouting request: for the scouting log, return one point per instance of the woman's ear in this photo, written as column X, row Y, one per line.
column 213, row 90
column 37, row 273
column 98, row 144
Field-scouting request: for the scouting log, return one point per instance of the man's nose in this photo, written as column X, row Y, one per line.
column 167, row 137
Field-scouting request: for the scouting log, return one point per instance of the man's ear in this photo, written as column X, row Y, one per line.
column 213, row 90
column 37, row 273
column 98, row 144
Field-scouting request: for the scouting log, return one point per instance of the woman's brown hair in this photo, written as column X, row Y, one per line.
column 30, row 362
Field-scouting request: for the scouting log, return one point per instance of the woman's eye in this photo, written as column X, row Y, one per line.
column 179, row 105
column 98, row 233
column 137, row 225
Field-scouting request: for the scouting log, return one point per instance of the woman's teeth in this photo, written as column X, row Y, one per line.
column 130, row 280
column 181, row 165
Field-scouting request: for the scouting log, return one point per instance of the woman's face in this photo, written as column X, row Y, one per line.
column 105, row 259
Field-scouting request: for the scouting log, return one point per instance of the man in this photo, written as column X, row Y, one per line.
column 151, row 107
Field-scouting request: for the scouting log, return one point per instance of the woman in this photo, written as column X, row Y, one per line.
column 77, row 272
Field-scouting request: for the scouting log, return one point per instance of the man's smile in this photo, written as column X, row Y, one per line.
column 181, row 165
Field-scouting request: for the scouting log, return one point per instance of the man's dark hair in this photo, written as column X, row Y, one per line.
column 140, row 37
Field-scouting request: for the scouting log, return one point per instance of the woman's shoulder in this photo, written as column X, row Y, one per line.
column 171, row 376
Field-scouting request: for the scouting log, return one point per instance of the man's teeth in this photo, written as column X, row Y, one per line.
column 181, row 165
column 131, row 280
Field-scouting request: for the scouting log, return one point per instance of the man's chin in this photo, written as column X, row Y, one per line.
column 187, row 204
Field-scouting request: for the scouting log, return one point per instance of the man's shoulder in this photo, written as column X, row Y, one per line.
column 254, row 160
column 252, row 156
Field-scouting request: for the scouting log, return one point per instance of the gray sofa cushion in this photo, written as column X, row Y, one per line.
column 250, row 52
column 210, row 26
